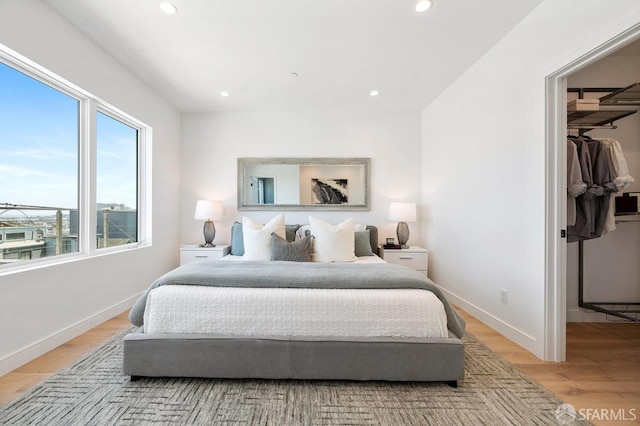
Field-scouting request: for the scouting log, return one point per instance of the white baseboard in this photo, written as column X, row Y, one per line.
column 40, row 347
column 517, row 336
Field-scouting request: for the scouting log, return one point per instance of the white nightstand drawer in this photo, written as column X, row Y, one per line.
column 194, row 253
column 417, row 261
column 415, row 258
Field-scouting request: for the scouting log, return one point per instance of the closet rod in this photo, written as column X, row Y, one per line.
column 593, row 89
column 605, row 126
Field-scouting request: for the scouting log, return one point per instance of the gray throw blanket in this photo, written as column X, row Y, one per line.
column 261, row 274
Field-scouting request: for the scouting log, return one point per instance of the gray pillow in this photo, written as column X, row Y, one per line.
column 363, row 243
column 237, row 237
column 290, row 231
column 297, row 251
column 237, row 240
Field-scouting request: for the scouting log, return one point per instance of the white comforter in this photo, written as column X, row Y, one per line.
column 295, row 312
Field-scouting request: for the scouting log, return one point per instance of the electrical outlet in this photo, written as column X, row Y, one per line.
column 503, row 296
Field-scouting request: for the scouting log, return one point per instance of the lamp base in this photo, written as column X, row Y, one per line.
column 403, row 234
column 209, row 231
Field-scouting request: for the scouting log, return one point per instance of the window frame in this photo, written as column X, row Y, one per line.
column 143, row 131
column 89, row 105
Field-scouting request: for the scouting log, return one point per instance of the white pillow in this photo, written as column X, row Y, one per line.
column 257, row 237
column 301, row 231
column 333, row 243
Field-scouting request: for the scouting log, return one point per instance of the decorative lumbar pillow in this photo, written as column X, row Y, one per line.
column 363, row 243
column 237, row 240
column 333, row 243
column 297, row 251
column 302, row 231
column 257, row 237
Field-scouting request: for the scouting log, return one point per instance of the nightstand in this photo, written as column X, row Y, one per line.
column 193, row 252
column 414, row 257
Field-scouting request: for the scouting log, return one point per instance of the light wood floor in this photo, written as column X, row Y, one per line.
column 602, row 371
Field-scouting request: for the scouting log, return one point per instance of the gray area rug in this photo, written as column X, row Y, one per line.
column 93, row 391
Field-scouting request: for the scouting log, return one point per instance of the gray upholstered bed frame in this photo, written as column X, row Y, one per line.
column 330, row 358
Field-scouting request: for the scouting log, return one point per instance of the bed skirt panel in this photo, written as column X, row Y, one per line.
column 392, row 359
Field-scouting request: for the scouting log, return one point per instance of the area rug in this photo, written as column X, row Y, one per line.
column 94, row 391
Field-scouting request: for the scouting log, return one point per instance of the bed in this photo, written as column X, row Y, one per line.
column 318, row 320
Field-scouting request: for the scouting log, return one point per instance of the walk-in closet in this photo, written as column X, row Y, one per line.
column 603, row 250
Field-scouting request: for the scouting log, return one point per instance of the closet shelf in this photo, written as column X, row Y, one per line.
column 596, row 118
column 629, row 95
column 628, row 217
column 625, row 310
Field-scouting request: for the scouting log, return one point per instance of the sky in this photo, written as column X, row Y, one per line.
column 39, row 147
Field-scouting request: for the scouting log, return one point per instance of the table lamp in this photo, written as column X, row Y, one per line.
column 403, row 213
column 208, row 211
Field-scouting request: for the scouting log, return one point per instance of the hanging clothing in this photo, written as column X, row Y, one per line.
column 593, row 207
column 602, row 177
column 582, row 227
column 618, row 163
column 575, row 184
column 621, row 177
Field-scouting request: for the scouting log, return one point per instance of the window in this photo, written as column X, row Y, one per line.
column 116, row 181
column 38, row 158
column 55, row 142
column 16, row 236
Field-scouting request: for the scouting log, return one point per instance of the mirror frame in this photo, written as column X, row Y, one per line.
column 244, row 162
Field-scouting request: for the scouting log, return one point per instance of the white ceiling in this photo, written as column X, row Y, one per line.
column 341, row 49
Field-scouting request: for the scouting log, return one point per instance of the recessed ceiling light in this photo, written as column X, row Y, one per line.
column 374, row 93
column 423, row 5
column 224, row 94
column 168, row 8
column 293, row 74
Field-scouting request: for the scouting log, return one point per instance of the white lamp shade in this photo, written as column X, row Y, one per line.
column 208, row 210
column 402, row 212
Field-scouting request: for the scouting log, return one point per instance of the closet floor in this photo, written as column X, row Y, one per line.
column 602, row 371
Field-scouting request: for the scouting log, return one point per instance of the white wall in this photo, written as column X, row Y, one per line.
column 212, row 142
column 611, row 270
column 484, row 165
column 44, row 307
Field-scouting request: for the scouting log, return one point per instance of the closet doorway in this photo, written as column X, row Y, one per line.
column 605, row 270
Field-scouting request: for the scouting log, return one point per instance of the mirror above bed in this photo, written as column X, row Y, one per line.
column 303, row 184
